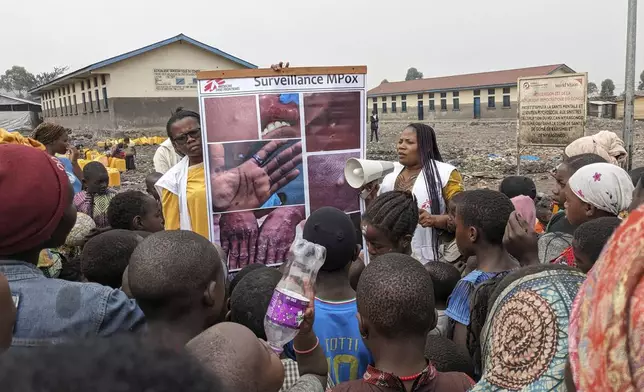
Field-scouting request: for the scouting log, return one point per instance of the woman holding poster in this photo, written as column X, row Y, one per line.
column 421, row 170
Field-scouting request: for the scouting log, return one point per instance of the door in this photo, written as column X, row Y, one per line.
column 477, row 107
column 421, row 111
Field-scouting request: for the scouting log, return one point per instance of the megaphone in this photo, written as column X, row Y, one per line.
column 360, row 172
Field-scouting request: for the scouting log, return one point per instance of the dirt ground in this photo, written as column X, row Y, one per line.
column 486, row 152
column 483, row 152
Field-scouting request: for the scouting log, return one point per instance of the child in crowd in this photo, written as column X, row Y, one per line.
column 388, row 225
column 106, row 256
column 248, row 305
column 36, row 213
column 95, row 198
column 335, row 302
column 513, row 186
column 134, row 210
column 448, row 250
column 444, row 279
column 178, row 280
column 481, row 218
column 395, row 312
column 130, row 154
column 589, row 240
column 446, row 356
column 150, row 180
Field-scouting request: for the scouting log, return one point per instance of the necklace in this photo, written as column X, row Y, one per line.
column 410, row 378
column 405, row 184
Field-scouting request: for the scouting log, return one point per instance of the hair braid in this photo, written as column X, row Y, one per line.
column 429, row 155
column 47, row 133
column 395, row 213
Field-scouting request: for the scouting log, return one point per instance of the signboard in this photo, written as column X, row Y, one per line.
column 552, row 109
column 170, row 79
column 276, row 144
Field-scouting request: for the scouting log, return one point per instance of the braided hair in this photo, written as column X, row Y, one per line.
column 180, row 114
column 395, row 213
column 429, row 155
column 47, row 133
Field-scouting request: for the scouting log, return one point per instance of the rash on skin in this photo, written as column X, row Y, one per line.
column 238, row 236
column 327, row 186
column 277, row 234
column 231, row 119
column 332, row 121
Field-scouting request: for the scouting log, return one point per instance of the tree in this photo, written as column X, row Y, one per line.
column 608, row 89
column 19, row 81
column 592, row 88
column 413, row 74
column 641, row 85
column 384, row 81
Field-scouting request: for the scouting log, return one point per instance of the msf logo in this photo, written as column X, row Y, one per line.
column 212, row 85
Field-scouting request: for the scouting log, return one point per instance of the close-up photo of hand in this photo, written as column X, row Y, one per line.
column 251, row 184
column 277, row 234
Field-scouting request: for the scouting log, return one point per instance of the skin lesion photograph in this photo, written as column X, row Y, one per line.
column 332, row 121
column 327, row 185
column 251, row 175
column 257, row 237
column 280, row 116
column 231, row 119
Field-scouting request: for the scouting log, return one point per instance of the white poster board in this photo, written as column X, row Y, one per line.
column 275, row 147
column 552, row 109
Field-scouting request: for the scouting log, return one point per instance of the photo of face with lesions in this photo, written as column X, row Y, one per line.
column 258, row 174
column 280, row 116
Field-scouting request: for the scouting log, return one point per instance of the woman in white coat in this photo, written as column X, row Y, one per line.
column 421, row 170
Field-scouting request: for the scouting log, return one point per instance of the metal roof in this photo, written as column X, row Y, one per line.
column 463, row 82
column 18, row 100
column 125, row 56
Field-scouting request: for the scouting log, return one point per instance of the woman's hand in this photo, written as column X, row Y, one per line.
column 238, row 235
column 369, row 192
column 280, row 66
column 252, row 183
column 520, row 240
column 74, row 154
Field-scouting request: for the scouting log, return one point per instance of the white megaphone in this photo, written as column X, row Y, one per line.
column 360, row 172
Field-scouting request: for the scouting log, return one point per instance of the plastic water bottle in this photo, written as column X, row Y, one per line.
column 289, row 302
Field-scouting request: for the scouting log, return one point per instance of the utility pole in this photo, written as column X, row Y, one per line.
column 631, row 31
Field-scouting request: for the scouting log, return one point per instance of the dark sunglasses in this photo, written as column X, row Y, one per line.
column 195, row 134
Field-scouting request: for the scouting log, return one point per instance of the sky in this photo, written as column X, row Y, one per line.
column 439, row 38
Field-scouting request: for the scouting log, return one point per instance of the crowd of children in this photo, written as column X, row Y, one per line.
column 95, row 294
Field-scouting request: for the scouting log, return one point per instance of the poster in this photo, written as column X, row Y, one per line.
column 275, row 148
column 552, row 109
column 170, row 79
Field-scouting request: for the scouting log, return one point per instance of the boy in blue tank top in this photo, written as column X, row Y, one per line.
column 336, row 324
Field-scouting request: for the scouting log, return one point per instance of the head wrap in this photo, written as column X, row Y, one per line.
column 525, row 337
column 607, row 321
column 606, row 144
column 524, row 205
column 17, row 138
column 605, row 186
column 35, row 194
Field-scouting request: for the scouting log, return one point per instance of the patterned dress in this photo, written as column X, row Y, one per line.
column 95, row 205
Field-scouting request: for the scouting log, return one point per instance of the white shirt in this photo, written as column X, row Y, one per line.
column 165, row 157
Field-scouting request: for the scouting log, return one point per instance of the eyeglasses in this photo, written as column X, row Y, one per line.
column 183, row 138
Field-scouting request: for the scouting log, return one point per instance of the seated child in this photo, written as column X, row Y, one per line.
column 395, row 312
column 95, row 197
column 335, row 302
column 446, row 356
column 134, row 210
column 106, row 256
column 444, row 279
column 589, row 240
column 481, row 218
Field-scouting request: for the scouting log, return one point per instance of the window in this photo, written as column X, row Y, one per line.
column 404, row 106
column 477, row 92
column 67, row 89
column 420, row 96
column 55, row 110
column 384, row 107
column 455, row 105
column 506, row 90
column 74, row 87
column 75, row 106
column 82, row 85
column 69, row 103
column 84, row 104
column 490, row 103
column 91, row 103
column 443, row 105
column 105, row 102
column 393, row 106
column 89, row 85
column 103, row 80
column 432, row 108
column 95, row 81
column 403, row 97
column 506, row 101
column 431, row 95
column 455, row 94
column 393, row 98
column 98, row 101
column 491, row 91
column 384, row 99
column 443, row 95
column 375, row 106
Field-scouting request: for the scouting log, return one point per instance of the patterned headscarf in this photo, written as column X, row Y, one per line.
column 607, row 321
column 525, row 337
column 605, row 186
column 606, row 144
